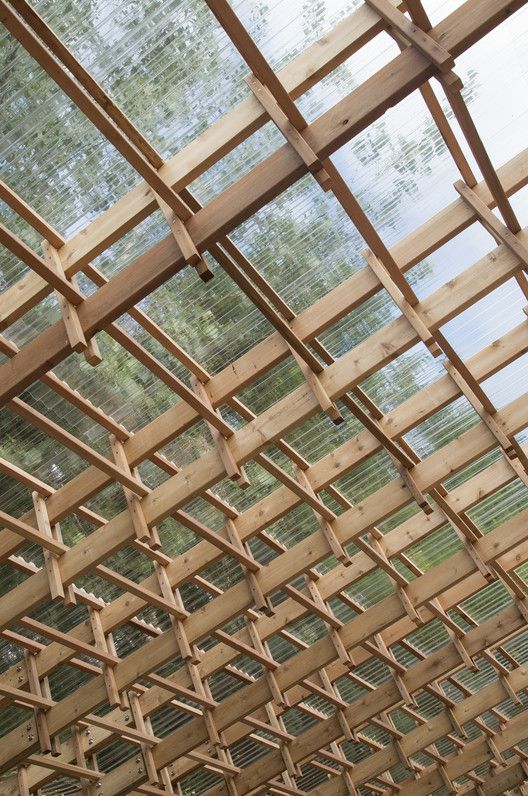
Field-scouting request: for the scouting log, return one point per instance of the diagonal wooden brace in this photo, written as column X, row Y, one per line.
column 290, row 132
column 190, row 253
column 312, row 379
column 70, row 317
column 419, row 39
column 394, row 289
column 233, row 471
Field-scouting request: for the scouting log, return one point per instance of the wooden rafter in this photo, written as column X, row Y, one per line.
column 315, row 581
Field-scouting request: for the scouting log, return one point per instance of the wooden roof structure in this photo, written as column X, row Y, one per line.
column 287, row 682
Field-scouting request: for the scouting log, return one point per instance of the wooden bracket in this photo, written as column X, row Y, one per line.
column 233, row 471
column 187, row 651
column 114, row 698
column 70, row 317
column 51, row 561
column 394, row 289
column 291, row 133
column 135, row 508
column 422, row 41
column 190, row 253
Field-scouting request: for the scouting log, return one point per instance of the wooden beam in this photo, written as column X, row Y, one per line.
column 404, row 74
column 39, row 266
column 422, row 41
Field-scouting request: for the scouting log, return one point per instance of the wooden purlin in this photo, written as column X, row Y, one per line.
column 29, row 365
column 372, row 634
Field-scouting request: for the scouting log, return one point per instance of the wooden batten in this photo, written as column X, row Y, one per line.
column 407, row 309
column 190, row 253
column 419, row 38
column 291, row 133
column 51, row 561
column 301, row 586
column 232, row 469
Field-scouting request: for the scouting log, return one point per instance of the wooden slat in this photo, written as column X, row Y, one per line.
column 424, row 43
column 39, row 266
column 315, row 667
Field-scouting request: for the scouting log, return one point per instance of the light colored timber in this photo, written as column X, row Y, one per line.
column 301, row 586
column 465, row 564
column 298, row 76
column 155, row 435
column 133, row 607
column 328, row 133
column 248, row 441
column 430, row 235
column 280, row 503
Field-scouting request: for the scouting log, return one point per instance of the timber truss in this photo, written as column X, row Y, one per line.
column 360, row 705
